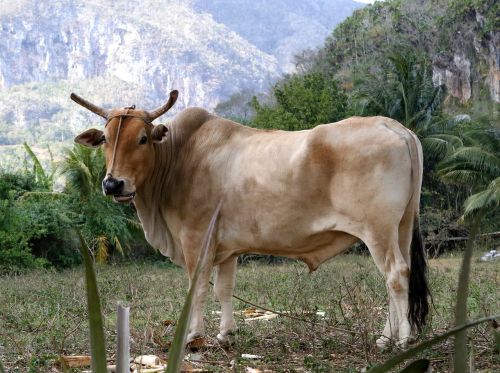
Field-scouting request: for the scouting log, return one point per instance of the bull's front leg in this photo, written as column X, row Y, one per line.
column 196, row 326
column 225, row 277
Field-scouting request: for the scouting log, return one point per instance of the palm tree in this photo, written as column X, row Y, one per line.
column 42, row 177
column 84, row 170
column 104, row 223
column 476, row 165
column 403, row 90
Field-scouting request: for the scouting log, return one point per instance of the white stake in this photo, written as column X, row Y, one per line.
column 123, row 340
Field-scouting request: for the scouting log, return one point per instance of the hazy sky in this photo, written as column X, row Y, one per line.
column 365, row 1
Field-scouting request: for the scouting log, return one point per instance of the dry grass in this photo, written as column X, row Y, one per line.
column 42, row 315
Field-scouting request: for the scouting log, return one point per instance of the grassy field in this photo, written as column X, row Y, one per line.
column 42, row 315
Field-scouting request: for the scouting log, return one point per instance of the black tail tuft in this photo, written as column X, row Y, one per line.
column 419, row 290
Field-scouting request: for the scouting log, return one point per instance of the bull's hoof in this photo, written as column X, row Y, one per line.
column 383, row 343
column 193, row 335
column 404, row 342
column 222, row 338
column 225, row 337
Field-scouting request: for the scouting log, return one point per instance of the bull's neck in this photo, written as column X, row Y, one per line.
column 155, row 189
column 152, row 199
column 152, row 196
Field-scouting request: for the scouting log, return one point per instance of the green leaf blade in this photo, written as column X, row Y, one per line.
column 97, row 340
column 176, row 353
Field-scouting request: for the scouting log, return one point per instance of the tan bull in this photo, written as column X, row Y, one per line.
column 307, row 195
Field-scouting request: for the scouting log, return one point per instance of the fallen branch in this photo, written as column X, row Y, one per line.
column 484, row 235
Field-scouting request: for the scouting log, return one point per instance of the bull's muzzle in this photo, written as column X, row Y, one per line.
column 116, row 188
column 112, row 186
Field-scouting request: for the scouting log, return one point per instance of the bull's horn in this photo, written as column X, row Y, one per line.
column 163, row 109
column 88, row 105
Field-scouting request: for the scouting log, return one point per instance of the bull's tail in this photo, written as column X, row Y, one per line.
column 418, row 296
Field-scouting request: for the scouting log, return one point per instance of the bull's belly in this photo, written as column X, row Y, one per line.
column 313, row 242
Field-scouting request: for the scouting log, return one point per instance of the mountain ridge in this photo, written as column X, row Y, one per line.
column 124, row 52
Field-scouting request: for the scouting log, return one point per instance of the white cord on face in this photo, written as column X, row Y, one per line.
column 110, row 173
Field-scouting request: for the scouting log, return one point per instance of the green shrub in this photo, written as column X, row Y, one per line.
column 46, row 220
column 34, row 227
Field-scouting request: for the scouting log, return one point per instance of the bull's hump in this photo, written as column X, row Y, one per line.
column 193, row 115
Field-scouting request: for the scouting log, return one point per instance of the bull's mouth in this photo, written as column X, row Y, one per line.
column 123, row 198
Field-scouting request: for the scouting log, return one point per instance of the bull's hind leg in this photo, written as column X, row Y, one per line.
column 225, row 277
column 391, row 329
column 398, row 285
column 390, row 261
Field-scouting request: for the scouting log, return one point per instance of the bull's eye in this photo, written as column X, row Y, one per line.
column 144, row 139
column 103, row 139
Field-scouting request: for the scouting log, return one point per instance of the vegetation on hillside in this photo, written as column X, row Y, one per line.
column 440, row 29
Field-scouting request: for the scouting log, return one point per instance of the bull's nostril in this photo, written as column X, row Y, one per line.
column 112, row 186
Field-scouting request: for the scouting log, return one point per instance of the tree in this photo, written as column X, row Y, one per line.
column 302, row 102
column 403, row 89
column 238, row 107
column 35, row 222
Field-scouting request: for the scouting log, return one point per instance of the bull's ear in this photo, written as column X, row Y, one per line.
column 159, row 133
column 91, row 138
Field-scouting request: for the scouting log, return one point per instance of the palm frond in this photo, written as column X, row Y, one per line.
column 84, row 169
column 436, row 146
column 39, row 171
column 134, row 223
column 40, row 174
column 470, row 178
column 454, row 140
column 474, row 158
column 102, row 253
column 53, row 164
column 118, row 245
column 486, row 199
column 487, row 136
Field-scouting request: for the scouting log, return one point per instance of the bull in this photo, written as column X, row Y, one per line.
column 307, row 195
